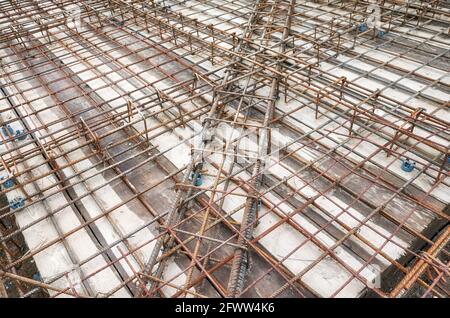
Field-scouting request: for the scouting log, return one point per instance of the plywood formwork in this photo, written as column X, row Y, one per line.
column 269, row 148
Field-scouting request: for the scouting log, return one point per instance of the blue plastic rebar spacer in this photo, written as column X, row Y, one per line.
column 17, row 203
column 381, row 34
column 408, row 165
column 199, row 180
column 8, row 183
column 362, row 27
column 20, row 135
column 7, row 131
